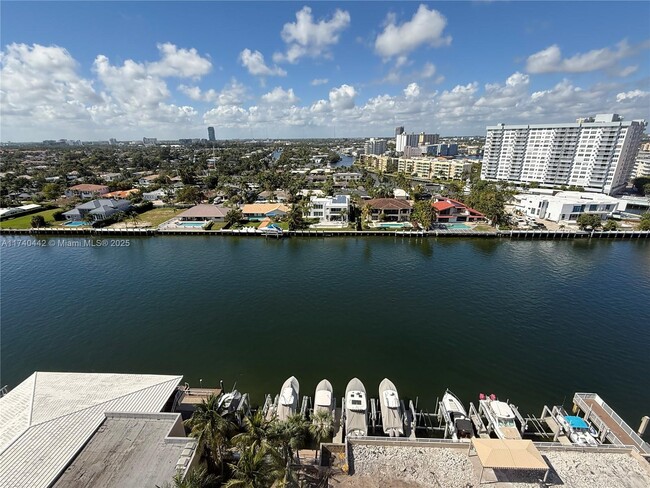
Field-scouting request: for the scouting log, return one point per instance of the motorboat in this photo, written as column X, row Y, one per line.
column 235, row 403
column 356, row 409
column 288, row 399
column 392, row 417
column 500, row 417
column 459, row 426
column 324, row 400
column 577, row 430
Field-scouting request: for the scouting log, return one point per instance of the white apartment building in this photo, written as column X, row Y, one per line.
column 329, row 209
column 403, row 140
column 565, row 206
column 642, row 164
column 596, row 153
column 434, row 168
column 375, row 146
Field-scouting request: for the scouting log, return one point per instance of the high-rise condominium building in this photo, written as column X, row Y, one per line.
column 375, row 146
column 399, row 130
column 596, row 153
column 211, row 134
column 403, row 140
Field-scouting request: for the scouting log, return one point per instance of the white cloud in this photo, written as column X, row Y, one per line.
column 412, row 91
column 279, row 96
column 550, row 60
column 182, row 63
column 631, row 95
column 425, row 28
column 304, row 37
column 342, row 98
column 254, row 63
column 319, row 81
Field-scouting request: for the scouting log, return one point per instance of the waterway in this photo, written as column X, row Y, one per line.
column 530, row 321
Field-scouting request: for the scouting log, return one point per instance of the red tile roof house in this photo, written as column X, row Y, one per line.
column 86, row 191
column 448, row 210
column 394, row 210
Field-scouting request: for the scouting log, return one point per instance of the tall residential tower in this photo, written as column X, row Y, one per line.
column 211, row 134
column 596, row 153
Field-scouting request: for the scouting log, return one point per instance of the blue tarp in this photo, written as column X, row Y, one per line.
column 576, row 422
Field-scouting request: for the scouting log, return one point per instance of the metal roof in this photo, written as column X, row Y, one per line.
column 48, row 418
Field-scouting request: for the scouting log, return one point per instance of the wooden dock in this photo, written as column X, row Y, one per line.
column 609, row 424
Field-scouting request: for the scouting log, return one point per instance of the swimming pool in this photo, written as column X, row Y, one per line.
column 190, row 224
column 457, row 226
column 75, row 223
column 393, row 225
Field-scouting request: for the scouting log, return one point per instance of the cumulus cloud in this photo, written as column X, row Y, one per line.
column 279, row 96
column 253, row 61
column 182, row 63
column 428, row 71
column 319, row 81
column 631, row 95
column 342, row 98
column 412, row 91
column 425, row 28
column 550, row 60
column 305, row 37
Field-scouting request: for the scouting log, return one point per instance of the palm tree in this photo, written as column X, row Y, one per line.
column 134, row 217
column 197, row 478
column 257, row 432
column 255, row 468
column 321, row 428
column 212, row 430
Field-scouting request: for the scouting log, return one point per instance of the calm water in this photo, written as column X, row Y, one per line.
column 529, row 321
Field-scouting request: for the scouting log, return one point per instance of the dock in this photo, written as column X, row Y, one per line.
column 608, row 423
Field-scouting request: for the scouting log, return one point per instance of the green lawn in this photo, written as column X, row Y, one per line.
column 25, row 221
column 484, row 228
column 157, row 216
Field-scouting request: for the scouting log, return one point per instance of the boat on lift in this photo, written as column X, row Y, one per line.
column 356, row 409
column 392, row 417
column 459, row 426
column 288, row 399
column 500, row 417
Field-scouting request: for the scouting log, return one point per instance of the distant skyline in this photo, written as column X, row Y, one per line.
column 127, row 70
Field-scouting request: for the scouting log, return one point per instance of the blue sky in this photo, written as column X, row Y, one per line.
column 94, row 70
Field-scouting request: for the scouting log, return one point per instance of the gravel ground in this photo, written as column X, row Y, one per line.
column 410, row 467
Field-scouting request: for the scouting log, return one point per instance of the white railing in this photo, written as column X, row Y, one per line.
column 579, row 398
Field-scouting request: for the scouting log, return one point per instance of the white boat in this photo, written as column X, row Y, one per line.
column 288, row 399
column 356, row 409
column 324, row 400
column 235, row 403
column 500, row 416
column 459, row 426
column 392, row 418
column 577, row 430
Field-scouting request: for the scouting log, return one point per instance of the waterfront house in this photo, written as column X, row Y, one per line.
column 204, row 212
column 449, row 210
column 389, row 209
column 84, row 191
column 259, row 211
column 566, row 206
column 329, row 209
column 108, row 177
column 99, row 209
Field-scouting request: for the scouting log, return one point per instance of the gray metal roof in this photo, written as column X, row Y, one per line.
column 46, row 419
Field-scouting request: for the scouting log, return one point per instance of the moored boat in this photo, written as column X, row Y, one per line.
column 356, row 409
column 324, row 400
column 500, row 416
column 459, row 426
column 392, row 417
column 288, row 399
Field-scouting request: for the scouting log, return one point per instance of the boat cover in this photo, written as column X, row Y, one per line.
column 287, row 398
column 391, row 399
column 323, row 398
column 576, row 422
column 464, row 428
